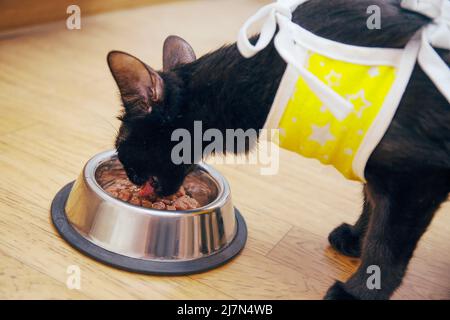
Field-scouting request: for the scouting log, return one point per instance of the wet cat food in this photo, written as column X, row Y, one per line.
column 197, row 190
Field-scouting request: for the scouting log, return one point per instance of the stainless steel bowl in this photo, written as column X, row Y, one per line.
column 148, row 240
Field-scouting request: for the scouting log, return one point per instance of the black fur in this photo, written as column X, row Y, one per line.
column 408, row 175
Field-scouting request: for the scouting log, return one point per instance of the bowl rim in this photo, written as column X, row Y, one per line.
column 223, row 196
column 152, row 267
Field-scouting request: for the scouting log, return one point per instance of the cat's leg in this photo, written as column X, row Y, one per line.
column 402, row 208
column 347, row 238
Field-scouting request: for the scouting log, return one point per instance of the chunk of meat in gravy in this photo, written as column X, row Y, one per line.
column 196, row 191
column 201, row 189
column 185, row 203
column 159, row 205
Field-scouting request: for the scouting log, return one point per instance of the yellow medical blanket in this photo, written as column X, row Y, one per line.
column 309, row 128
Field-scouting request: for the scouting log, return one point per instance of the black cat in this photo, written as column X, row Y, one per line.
column 408, row 174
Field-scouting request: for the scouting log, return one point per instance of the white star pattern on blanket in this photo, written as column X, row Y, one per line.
column 359, row 101
column 321, row 135
column 333, row 79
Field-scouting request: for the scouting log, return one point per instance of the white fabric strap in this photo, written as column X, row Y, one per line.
column 389, row 107
column 436, row 34
column 280, row 13
column 268, row 16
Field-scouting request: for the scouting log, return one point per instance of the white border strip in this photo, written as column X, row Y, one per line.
column 384, row 118
column 285, row 91
column 341, row 51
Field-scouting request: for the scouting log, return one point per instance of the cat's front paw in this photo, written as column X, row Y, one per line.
column 337, row 292
column 345, row 241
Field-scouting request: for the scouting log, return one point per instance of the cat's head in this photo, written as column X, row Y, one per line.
column 144, row 142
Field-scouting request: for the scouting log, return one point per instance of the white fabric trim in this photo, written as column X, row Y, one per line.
column 268, row 14
column 435, row 68
column 391, row 102
column 345, row 52
column 435, row 34
column 289, row 50
column 282, row 97
column 430, row 8
column 281, row 13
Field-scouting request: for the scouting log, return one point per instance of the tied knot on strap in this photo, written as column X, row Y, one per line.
column 280, row 14
column 430, row 8
column 268, row 16
column 436, row 34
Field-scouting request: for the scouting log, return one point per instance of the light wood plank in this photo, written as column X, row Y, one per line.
column 311, row 255
column 18, row 281
column 253, row 276
column 17, row 14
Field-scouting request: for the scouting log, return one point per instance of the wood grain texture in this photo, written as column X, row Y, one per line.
column 58, row 107
column 19, row 281
column 17, row 14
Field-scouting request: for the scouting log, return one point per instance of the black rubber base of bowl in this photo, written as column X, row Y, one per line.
column 66, row 230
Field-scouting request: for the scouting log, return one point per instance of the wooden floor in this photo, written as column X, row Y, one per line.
column 58, row 105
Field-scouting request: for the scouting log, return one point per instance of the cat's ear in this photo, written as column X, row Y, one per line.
column 176, row 51
column 136, row 80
